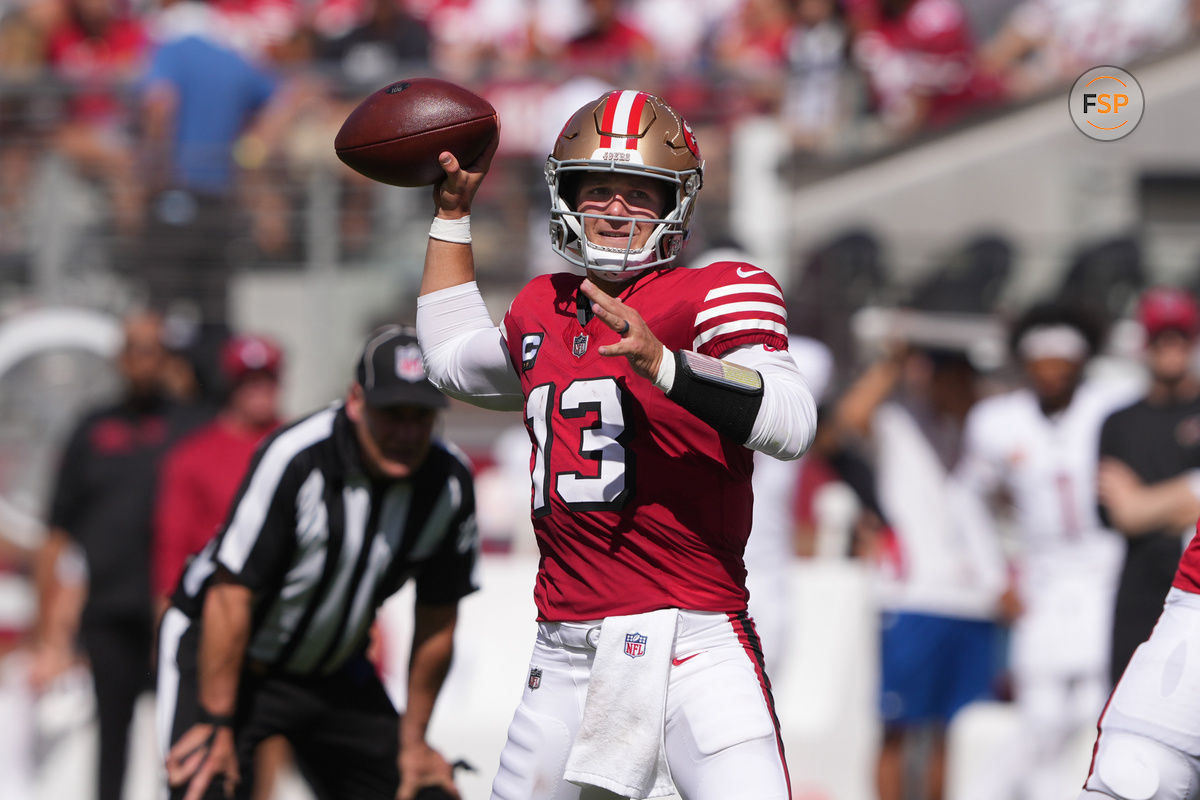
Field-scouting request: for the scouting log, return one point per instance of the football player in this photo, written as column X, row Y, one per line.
column 1039, row 445
column 1148, row 746
column 646, row 389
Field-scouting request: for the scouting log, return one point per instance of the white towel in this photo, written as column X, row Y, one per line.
column 620, row 742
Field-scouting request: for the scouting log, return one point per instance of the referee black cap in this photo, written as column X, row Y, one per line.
column 391, row 372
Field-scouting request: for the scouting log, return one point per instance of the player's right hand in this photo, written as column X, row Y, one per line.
column 453, row 194
column 201, row 755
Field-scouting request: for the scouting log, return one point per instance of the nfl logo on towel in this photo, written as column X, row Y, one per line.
column 635, row 645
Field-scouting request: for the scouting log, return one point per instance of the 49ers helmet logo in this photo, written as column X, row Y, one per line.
column 690, row 138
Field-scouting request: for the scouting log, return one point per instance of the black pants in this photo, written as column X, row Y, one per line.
column 119, row 651
column 342, row 727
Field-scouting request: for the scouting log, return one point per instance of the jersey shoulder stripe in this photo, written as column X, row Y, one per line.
column 743, row 304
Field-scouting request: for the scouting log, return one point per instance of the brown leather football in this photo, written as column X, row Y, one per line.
column 396, row 134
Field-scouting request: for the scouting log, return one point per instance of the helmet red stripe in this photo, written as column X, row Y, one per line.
column 633, row 128
column 610, row 114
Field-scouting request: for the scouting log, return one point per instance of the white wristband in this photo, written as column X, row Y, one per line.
column 665, row 379
column 451, row 230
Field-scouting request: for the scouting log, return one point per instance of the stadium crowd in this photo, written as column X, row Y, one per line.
column 109, row 89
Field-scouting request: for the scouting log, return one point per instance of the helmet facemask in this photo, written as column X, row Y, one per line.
column 567, row 224
column 662, row 136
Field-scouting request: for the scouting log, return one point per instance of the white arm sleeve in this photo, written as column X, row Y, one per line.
column 787, row 418
column 465, row 354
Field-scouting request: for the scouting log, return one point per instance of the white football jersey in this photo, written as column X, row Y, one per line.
column 1068, row 561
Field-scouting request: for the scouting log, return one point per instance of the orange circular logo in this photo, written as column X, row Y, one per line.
column 1106, row 103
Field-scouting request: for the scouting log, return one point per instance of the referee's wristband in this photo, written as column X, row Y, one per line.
column 206, row 717
column 457, row 231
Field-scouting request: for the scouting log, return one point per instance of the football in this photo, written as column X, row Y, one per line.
column 395, row 135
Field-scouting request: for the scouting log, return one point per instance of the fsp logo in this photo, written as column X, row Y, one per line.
column 1106, row 103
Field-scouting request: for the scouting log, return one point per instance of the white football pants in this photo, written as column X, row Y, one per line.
column 721, row 735
column 1148, row 747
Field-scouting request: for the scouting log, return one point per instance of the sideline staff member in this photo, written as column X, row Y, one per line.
column 268, row 626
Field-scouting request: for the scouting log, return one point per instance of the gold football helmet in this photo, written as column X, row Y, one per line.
column 628, row 132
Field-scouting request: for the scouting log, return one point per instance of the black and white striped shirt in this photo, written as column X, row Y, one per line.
column 321, row 544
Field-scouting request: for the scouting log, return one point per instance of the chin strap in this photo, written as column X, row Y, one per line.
column 583, row 309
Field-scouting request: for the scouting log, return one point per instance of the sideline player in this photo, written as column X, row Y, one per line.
column 645, row 388
column 1149, row 454
column 1038, row 444
column 103, row 504
column 1148, row 740
column 201, row 474
column 267, row 630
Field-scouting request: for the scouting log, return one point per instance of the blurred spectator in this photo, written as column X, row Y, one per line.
column 1048, row 42
column 97, row 50
column 200, row 97
column 611, row 46
column 103, row 503
column 1038, row 446
column 22, row 44
column 679, row 29
column 258, row 29
column 201, row 474
column 816, row 57
column 1150, row 454
column 751, row 45
column 940, row 580
column 920, row 61
column 389, row 43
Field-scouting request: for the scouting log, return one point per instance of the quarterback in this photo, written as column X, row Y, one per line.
column 645, row 388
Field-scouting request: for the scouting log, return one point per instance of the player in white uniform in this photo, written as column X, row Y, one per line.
column 1039, row 445
column 1148, row 747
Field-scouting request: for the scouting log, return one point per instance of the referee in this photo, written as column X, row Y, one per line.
column 267, row 629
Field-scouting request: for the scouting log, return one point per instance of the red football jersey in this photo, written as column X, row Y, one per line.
column 637, row 504
column 200, row 477
column 1187, row 577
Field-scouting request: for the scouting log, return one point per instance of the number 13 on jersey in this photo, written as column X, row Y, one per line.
column 588, row 465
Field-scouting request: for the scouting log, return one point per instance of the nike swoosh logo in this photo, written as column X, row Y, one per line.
column 749, row 273
column 675, row 662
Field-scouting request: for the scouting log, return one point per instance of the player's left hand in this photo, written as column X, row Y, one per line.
column 421, row 766
column 638, row 343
